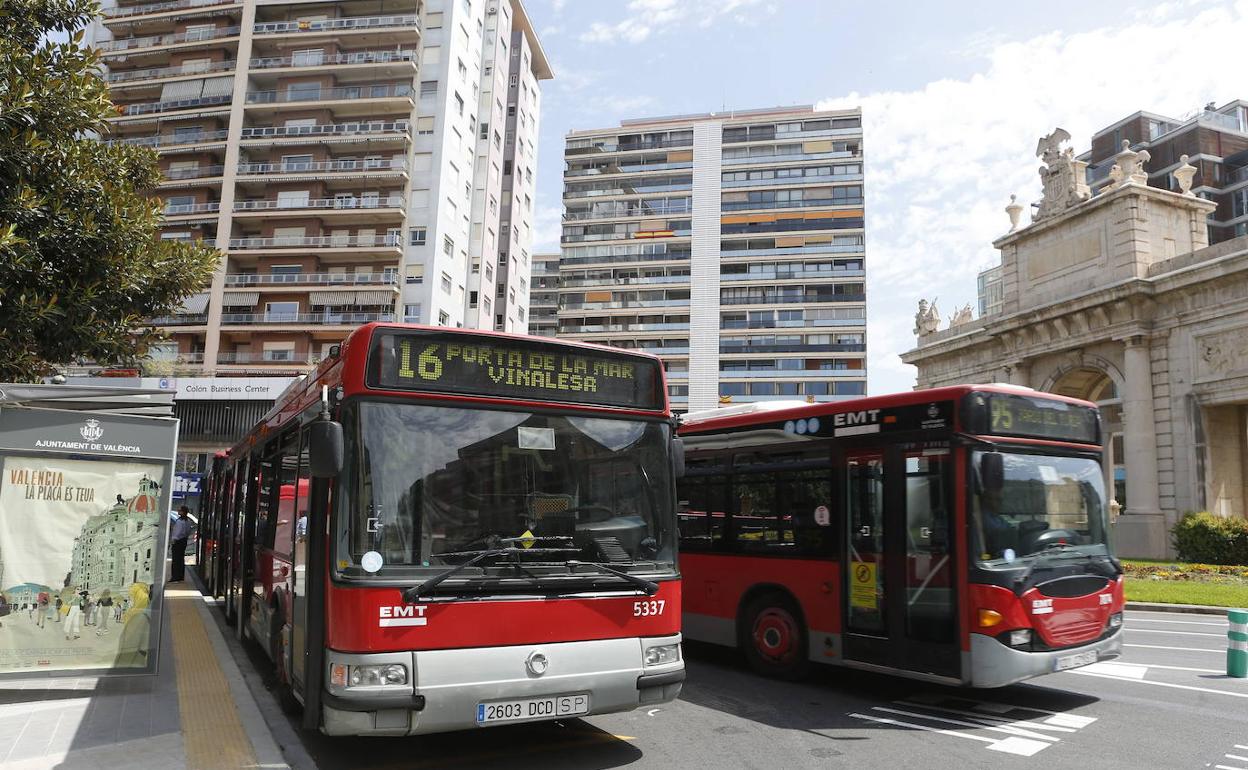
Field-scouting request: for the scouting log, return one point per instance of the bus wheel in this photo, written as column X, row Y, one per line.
column 774, row 638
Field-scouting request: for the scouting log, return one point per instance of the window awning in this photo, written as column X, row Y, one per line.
column 194, row 304
column 218, row 86
column 340, row 298
column 240, row 298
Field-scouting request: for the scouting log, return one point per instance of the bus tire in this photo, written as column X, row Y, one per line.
column 774, row 637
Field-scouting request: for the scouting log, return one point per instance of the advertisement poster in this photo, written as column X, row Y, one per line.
column 80, row 548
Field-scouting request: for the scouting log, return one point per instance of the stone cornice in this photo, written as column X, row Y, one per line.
column 1165, row 196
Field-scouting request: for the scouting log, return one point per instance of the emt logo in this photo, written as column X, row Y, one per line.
column 404, row 615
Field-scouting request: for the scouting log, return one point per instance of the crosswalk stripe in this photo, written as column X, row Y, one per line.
column 998, row 728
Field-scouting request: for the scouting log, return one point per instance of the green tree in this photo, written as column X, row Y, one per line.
column 81, row 263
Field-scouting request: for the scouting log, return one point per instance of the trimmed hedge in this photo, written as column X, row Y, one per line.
column 1204, row 538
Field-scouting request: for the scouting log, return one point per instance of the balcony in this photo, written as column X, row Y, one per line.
column 792, row 299
column 149, row 108
column 158, row 41
column 592, row 237
column 199, row 172
column 729, row 374
column 157, row 73
column 798, row 204
column 168, row 140
column 727, row 346
column 351, row 24
column 181, row 319
column 383, row 166
column 764, row 159
column 788, row 275
column 343, row 93
column 322, row 204
column 605, row 147
column 185, row 209
column 822, row 248
column 312, row 279
column 346, row 130
column 799, row 323
column 126, row 11
column 289, row 357
column 568, row 283
column 804, row 180
column 321, row 60
column 625, row 327
column 640, row 188
column 627, row 303
column 313, row 319
column 628, row 169
column 624, row 213
column 316, row 242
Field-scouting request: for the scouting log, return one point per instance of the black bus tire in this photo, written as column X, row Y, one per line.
column 773, row 637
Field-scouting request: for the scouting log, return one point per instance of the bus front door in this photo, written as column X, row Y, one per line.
column 899, row 604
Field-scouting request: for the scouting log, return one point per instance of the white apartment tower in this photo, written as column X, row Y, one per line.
column 730, row 244
column 341, row 154
column 355, row 160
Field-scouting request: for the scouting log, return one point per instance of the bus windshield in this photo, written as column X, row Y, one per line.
column 1046, row 501
column 429, row 485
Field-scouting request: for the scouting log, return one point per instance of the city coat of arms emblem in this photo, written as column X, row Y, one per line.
column 92, row 430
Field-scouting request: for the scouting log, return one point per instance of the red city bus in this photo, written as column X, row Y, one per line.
column 443, row 529
column 956, row 535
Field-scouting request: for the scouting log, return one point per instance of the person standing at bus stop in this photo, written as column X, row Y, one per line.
column 182, row 527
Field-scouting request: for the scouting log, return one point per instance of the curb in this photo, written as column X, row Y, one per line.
column 1195, row 609
column 268, row 752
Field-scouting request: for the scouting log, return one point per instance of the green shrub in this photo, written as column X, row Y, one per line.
column 1205, row 538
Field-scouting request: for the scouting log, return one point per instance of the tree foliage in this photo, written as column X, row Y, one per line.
column 81, row 263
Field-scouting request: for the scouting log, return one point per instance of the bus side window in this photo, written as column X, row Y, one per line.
column 807, row 496
column 302, row 487
column 702, row 501
column 757, row 522
column 283, row 507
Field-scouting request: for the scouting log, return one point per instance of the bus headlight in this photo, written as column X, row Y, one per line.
column 1020, row 637
column 661, row 654
column 369, row 676
column 1115, row 620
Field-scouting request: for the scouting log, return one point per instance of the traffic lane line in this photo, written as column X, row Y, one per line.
column 1172, row 631
column 1168, row 621
column 1154, row 683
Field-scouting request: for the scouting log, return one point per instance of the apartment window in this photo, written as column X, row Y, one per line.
column 424, row 126
column 485, row 131
column 432, row 56
column 448, row 245
column 485, row 306
column 418, row 236
column 433, row 20
column 459, row 105
column 297, row 92
column 281, row 311
column 514, row 80
column 489, row 273
column 444, row 319
column 308, row 57
column 446, row 283
column 415, row 274
column 472, row 299
column 411, row 313
column 463, row 71
column 511, row 110
column 428, row 88
column 506, row 168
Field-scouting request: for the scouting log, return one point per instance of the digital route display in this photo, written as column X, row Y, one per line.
column 1001, row 414
column 470, row 364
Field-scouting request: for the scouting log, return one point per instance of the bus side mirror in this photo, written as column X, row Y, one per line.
column 992, row 471
column 678, row 458
column 325, row 448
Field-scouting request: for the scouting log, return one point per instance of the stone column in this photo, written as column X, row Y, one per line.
column 1139, row 434
column 1019, row 373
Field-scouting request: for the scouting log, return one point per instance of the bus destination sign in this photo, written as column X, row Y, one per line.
column 536, row 370
column 1004, row 414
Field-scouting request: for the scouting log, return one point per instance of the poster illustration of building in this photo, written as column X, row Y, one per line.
column 80, row 549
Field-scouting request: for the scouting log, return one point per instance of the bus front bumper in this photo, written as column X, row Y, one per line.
column 447, row 687
column 994, row 664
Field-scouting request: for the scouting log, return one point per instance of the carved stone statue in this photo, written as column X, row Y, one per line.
column 1129, row 166
column 1014, row 211
column 1184, row 175
column 927, row 320
column 962, row 315
column 1064, row 178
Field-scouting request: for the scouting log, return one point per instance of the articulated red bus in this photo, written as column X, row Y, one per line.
column 443, row 529
column 956, row 535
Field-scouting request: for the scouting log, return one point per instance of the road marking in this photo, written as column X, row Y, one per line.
column 1180, row 622
column 1081, row 672
column 992, row 719
column 1122, row 670
column 1235, row 757
column 986, row 725
column 1163, row 647
column 1228, row 767
column 942, row 731
column 1240, row 747
column 1185, row 668
column 1165, row 631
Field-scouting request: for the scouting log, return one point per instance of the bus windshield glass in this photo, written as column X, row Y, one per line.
column 429, row 485
column 1044, row 502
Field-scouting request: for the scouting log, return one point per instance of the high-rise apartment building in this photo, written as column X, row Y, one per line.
column 1215, row 141
column 355, row 161
column 731, row 244
column 544, row 295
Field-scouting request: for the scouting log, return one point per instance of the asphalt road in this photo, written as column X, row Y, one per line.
column 1165, row 704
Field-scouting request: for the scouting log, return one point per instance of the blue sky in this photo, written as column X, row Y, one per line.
column 954, row 97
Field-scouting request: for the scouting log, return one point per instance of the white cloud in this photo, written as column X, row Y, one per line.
column 648, row 17
column 943, row 160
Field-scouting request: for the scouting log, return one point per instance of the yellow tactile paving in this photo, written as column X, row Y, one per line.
column 211, row 730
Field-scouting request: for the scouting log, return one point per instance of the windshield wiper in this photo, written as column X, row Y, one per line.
column 649, row 586
column 414, row 593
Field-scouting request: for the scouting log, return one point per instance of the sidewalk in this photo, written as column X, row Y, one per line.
column 196, row 713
